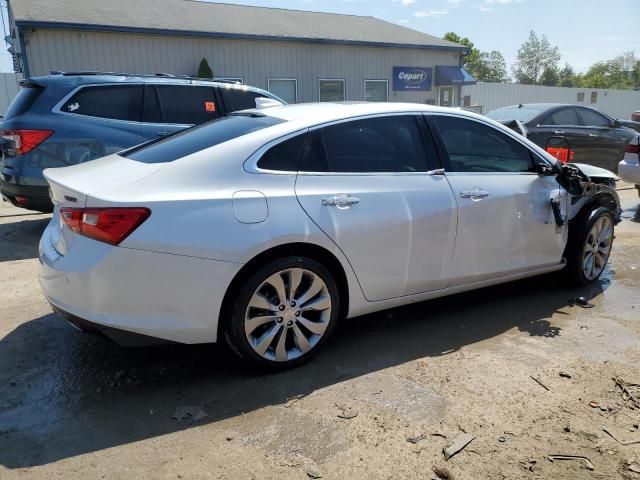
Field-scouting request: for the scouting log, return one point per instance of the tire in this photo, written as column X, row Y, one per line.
column 586, row 256
column 270, row 330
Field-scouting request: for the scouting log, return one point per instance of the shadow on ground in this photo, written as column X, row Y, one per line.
column 19, row 238
column 63, row 393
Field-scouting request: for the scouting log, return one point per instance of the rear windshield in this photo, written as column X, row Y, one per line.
column 23, row 101
column 198, row 138
column 524, row 114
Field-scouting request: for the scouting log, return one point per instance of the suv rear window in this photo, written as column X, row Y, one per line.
column 117, row 102
column 239, row 99
column 198, row 138
column 180, row 104
column 23, row 101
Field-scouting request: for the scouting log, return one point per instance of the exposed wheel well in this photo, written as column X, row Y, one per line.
column 314, row 252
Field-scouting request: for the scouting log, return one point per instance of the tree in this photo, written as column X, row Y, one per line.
column 550, row 77
column 484, row 66
column 567, row 76
column 204, row 70
column 534, row 56
column 621, row 72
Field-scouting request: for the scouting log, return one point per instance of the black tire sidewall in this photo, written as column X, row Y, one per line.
column 234, row 330
column 578, row 233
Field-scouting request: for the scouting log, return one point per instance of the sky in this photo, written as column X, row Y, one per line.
column 585, row 31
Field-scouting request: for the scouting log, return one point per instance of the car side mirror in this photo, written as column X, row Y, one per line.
column 616, row 124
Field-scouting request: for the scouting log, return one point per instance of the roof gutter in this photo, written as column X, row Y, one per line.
column 237, row 36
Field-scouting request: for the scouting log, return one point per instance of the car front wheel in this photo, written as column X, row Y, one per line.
column 283, row 313
column 590, row 240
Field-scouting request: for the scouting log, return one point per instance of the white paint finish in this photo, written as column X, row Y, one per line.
column 254, row 61
column 169, row 276
column 509, row 231
column 490, row 96
column 250, row 206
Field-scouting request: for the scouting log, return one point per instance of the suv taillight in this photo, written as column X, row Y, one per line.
column 109, row 225
column 633, row 148
column 23, row 141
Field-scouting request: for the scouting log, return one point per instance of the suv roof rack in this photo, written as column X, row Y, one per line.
column 145, row 75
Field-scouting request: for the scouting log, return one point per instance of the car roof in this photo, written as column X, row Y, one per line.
column 308, row 114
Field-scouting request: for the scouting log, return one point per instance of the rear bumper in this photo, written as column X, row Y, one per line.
column 629, row 170
column 32, row 197
column 117, row 290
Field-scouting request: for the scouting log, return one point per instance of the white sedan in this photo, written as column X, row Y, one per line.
column 266, row 227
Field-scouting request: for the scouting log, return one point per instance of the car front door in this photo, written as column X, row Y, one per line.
column 169, row 108
column 369, row 184
column 505, row 219
column 606, row 144
column 563, row 122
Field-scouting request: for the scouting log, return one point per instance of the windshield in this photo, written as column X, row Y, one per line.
column 199, row 138
column 524, row 113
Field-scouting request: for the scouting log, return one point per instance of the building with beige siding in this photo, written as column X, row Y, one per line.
column 300, row 56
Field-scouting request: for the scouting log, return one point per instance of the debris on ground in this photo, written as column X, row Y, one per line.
column 442, row 473
column 621, row 442
column 461, row 441
column 291, row 400
column 581, row 302
column 564, row 374
column 417, row 438
column 539, row 382
column 195, row 413
column 630, row 391
column 347, row 413
column 594, row 404
column 633, row 465
column 587, row 463
column 313, row 472
column 502, row 439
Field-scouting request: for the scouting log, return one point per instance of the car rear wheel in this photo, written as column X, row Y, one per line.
column 283, row 313
column 590, row 240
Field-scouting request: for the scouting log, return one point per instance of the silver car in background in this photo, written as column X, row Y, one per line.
column 265, row 228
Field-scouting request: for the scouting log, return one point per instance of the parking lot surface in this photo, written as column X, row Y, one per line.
column 517, row 366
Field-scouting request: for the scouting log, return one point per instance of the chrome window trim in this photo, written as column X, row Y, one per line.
column 251, row 164
column 283, row 79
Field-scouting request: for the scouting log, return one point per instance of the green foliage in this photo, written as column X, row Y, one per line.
column 621, row 72
column 534, row 56
column 567, row 77
column 484, row 66
column 204, row 70
column 550, row 77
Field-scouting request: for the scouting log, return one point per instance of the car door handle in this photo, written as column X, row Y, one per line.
column 340, row 201
column 474, row 193
column 558, row 132
column 593, row 135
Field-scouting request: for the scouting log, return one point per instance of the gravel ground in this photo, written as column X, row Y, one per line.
column 76, row 406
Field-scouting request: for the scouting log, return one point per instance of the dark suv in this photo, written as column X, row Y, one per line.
column 70, row 118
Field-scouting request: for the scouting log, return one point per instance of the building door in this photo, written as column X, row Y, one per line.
column 446, row 97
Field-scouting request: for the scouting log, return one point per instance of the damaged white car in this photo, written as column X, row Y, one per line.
column 265, row 228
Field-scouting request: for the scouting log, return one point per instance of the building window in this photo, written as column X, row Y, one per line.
column 376, row 90
column 331, row 90
column 285, row 88
column 594, row 97
column 238, row 80
column 580, row 96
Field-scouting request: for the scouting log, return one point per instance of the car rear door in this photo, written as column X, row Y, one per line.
column 505, row 220
column 169, row 108
column 368, row 184
column 606, row 145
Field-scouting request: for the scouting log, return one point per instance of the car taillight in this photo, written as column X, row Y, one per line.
column 109, row 225
column 23, row 141
column 633, row 148
column 563, row 154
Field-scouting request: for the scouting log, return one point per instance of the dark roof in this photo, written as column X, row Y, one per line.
column 192, row 17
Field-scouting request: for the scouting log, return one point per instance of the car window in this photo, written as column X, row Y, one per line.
column 475, row 147
column 118, row 102
column 565, row 116
column 239, row 99
column 591, row 118
column 285, row 156
column 382, row 144
column 524, row 113
column 187, row 104
column 198, row 138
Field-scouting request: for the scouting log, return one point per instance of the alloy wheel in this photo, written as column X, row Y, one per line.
column 597, row 248
column 287, row 314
